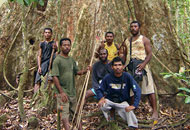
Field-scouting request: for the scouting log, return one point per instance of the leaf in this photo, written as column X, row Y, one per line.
column 28, row 2
column 181, row 94
column 41, row 2
column 167, row 76
column 20, row 2
column 185, row 89
column 187, row 99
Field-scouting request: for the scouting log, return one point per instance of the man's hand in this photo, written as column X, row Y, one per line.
column 141, row 66
column 101, row 102
column 129, row 108
column 89, row 68
column 39, row 70
column 54, row 46
column 64, row 97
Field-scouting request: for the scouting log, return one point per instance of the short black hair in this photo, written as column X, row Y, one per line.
column 64, row 39
column 103, row 49
column 48, row 29
column 108, row 33
column 117, row 59
column 136, row 22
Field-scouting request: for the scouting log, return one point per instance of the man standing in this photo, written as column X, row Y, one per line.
column 141, row 49
column 64, row 71
column 117, row 85
column 110, row 46
column 44, row 54
column 99, row 70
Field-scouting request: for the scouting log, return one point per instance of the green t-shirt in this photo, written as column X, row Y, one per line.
column 65, row 69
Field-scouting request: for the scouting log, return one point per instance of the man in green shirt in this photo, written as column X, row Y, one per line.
column 63, row 72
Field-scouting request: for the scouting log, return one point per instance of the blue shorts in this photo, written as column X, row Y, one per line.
column 93, row 90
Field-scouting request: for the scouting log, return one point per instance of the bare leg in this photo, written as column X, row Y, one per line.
column 152, row 99
column 36, row 87
column 89, row 93
column 112, row 114
column 66, row 123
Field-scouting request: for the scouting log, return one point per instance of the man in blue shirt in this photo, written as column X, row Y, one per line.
column 117, row 86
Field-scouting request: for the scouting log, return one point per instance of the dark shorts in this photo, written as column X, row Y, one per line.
column 44, row 67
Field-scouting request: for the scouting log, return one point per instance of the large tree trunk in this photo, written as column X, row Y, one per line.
column 168, row 53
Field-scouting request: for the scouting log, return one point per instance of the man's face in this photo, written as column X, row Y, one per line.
column 47, row 34
column 65, row 47
column 103, row 55
column 118, row 67
column 109, row 38
column 134, row 29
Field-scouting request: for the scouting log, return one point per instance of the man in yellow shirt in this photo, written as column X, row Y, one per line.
column 111, row 47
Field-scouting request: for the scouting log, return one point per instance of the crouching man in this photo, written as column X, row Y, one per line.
column 114, row 93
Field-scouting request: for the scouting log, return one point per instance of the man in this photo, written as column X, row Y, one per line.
column 117, row 85
column 63, row 71
column 110, row 45
column 141, row 49
column 99, row 70
column 44, row 54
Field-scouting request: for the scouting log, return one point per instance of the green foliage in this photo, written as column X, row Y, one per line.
column 181, row 19
column 182, row 76
column 28, row 2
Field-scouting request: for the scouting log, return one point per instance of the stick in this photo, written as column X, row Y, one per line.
column 80, row 102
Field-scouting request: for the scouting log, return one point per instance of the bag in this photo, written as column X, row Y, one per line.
column 132, row 67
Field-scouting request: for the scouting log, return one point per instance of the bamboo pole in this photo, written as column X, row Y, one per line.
column 83, row 91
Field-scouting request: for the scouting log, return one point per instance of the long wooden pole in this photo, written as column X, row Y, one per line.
column 83, row 91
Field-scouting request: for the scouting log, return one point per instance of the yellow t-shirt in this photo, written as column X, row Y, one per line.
column 112, row 51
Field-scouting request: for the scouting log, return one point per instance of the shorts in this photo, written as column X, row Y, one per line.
column 66, row 108
column 147, row 85
column 93, row 90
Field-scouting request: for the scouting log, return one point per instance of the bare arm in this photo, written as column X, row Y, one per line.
column 148, row 51
column 81, row 72
column 39, row 59
column 129, row 108
column 123, row 50
column 58, row 86
column 84, row 71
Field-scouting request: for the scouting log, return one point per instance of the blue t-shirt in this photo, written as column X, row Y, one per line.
column 111, row 85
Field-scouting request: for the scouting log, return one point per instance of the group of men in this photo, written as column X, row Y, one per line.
column 116, row 90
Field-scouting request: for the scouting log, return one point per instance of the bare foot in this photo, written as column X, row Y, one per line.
column 154, row 115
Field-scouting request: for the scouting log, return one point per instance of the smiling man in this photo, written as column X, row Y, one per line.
column 117, row 86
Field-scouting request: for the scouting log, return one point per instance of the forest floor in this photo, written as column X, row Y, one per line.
column 168, row 118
